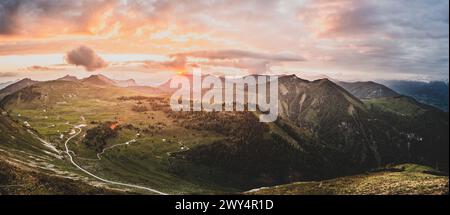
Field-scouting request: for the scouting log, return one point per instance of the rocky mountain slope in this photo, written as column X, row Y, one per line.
column 323, row 131
column 16, row 87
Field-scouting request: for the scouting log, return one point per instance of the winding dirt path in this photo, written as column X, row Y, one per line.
column 97, row 177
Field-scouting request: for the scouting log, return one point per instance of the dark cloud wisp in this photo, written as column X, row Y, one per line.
column 36, row 68
column 8, row 10
column 240, row 54
column 7, row 74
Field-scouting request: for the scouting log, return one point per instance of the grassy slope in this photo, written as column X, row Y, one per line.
column 15, row 180
column 400, row 105
column 29, row 167
column 426, row 128
column 146, row 162
column 398, row 180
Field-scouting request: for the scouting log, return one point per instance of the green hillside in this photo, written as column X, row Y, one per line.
column 52, row 109
column 407, row 179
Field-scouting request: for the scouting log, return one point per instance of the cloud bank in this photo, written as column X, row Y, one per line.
column 362, row 37
column 250, row 62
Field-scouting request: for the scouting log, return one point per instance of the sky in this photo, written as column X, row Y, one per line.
column 151, row 40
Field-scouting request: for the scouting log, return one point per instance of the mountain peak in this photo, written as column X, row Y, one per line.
column 99, row 80
column 292, row 77
column 98, row 76
column 126, row 83
column 323, row 81
column 68, row 78
column 26, row 82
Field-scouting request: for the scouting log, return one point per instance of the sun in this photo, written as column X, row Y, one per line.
column 180, row 71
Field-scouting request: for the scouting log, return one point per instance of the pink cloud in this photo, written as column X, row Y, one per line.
column 86, row 57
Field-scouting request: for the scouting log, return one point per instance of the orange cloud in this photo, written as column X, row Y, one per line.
column 358, row 35
column 7, row 74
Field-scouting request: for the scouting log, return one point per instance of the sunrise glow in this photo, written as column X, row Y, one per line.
column 308, row 38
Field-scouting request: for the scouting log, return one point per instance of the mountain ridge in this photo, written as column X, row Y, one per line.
column 5, row 84
column 14, row 87
column 99, row 80
column 368, row 90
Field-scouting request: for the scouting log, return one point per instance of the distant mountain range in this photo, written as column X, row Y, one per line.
column 3, row 85
column 435, row 93
column 98, row 80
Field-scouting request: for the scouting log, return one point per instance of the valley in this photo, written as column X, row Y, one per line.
column 112, row 138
